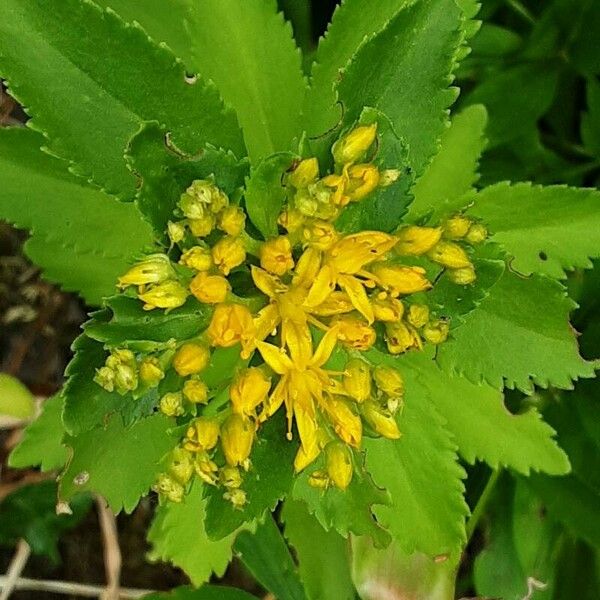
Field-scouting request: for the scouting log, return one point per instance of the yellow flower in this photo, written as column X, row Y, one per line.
column 462, row 276
column 203, row 226
column 320, row 234
column 171, row 404
column 354, row 145
column 229, row 252
column 191, row 359
column 449, row 254
column 276, row 256
column 155, row 268
column 337, row 184
column 346, row 423
column 357, row 379
column 205, row 468
column 380, row 420
column 291, row 219
column 232, row 324
column 232, row 220
column 401, row 337
column 363, row 180
column 202, row 196
column 197, row 258
column 400, row 280
column 414, row 240
column 477, row 233
column 456, row 227
column 237, row 437
column 418, row 315
column 389, row 381
column 181, row 467
column 386, row 308
column 354, row 332
column 169, row 294
column 195, row 391
column 339, row 464
column 305, row 173
column 343, row 265
column 210, row 289
column 249, row 389
column 202, row 434
column 167, row 486
column 436, row 332
column 176, row 231
column 150, row 371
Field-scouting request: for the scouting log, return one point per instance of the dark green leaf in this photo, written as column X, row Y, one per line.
column 206, row 592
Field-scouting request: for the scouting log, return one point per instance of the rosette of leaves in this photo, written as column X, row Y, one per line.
column 129, row 102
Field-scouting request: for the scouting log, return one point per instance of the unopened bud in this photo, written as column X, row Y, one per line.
column 357, row 379
column 436, row 332
column 401, row 337
column 171, row 404
column 450, row 255
column 105, row 378
column 414, row 240
column 319, row 480
column 339, row 464
column 181, row 467
column 155, row 268
column 456, row 227
column 400, row 280
column 229, row 252
column 389, row 381
column 388, row 177
column 249, row 389
column 191, row 359
column 176, row 231
column 291, row 219
column 169, row 487
column 355, row 333
column 237, row 436
column 306, row 172
column 202, row 434
column 210, row 289
column 386, row 308
column 197, row 258
column 320, row 234
column 205, row 468
column 276, row 256
column 353, row 146
column 232, row 220
column 231, row 324
column 126, row 379
column 363, row 180
column 477, row 234
column 346, row 423
column 169, row 294
column 464, row 276
column 151, row 372
column 195, row 391
column 418, row 315
column 230, row 477
column 203, row 226
column 237, row 497
column 384, row 424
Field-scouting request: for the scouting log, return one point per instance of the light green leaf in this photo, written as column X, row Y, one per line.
column 178, row 536
column 89, row 96
column 421, row 473
column 323, row 556
column 265, row 193
column 546, row 229
column 353, row 21
column 519, row 336
column 81, row 237
column 15, row 399
column 266, row 555
column 482, row 426
column 119, row 463
column 405, row 71
column 41, row 444
column 453, row 171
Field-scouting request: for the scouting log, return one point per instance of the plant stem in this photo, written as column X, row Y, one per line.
column 521, row 10
column 482, row 503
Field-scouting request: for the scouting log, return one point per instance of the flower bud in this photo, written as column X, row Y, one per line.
column 195, row 391
column 126, row 379
column 477, row 234
column 105, row 378
column 201, row 196
column 231, row 324
column 202, row 434
column 346, row 424
column 355, row 333
column 210, row 289
column 197, row 258
column 155, row 268
column 384, row 424
column 389, row 381
column 205, row 468
column 276, row 256
column 339, row 464
column 418, row 315
column 229, row 252
column 436, row 332
column 357, row 379
column 190, row 359
column 169, row 294
column 304, row 458
column 176, row 231
column 237, row 497
column 354, row 145
column 181, row 467
column 319, row 480
column 320, row 234
column 456, row 227
column 450, row 255
column 168, row 487
column 151, row 372
column 249, row 389
column 414, row 240
column 237, row 436
column 306, row 172
column 386, row 308
column 388, row 176
column 291, row 219
column 463, row 276
column 363, row 180
column 203, row 226
column 232, row 220
column 230, row 477
column 171, row 404
column 338, row 184
column 401, row 337
column 399, row 279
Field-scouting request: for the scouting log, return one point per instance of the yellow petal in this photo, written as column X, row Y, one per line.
column 323, row 285
column 296, row 336
column 266, row 321
column 325, row 348
column 358, row 296
column 307, row 267
column 275, row 357
column 268, row 284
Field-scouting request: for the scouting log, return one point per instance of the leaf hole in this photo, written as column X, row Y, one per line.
column 543, row 255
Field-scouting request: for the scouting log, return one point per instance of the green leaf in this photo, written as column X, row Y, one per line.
column 546, row 229
column 266, row 555
column 519, row 336
column 30, row 514
column 404, row 72
column 81, row 237
column 265, row 193
column 268, row 481
column 164, row 173
column 15, row 399
column 41, row 444
column 119, row 463
column 178, row 536
column 323, row 556
column 590, row 120
column 353, row 21
column 510, row 113
column 382, row 209
column 124, row 320
column 421, row 473
column 482, row 426
column 345, row 511
column 453, row 171
column 206, row 592
column 89, row 96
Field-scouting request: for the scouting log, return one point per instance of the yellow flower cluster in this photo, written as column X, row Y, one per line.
column 322, row 289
